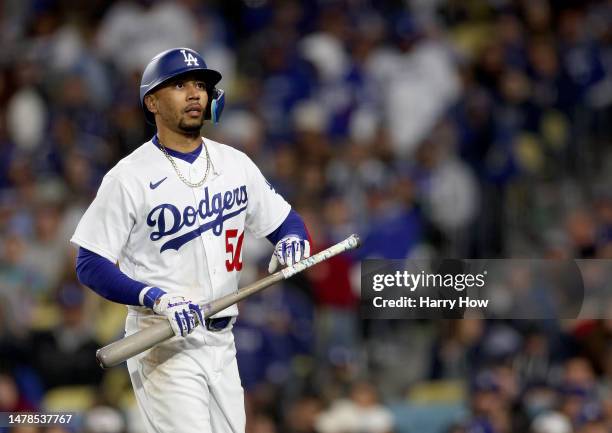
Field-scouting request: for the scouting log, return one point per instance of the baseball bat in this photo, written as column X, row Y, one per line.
column 121, row 350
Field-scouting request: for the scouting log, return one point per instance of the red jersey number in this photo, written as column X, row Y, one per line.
column 234, row 249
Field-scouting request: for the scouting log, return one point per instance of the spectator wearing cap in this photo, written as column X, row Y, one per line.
column 490, row 409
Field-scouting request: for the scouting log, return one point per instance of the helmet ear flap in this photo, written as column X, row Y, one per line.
column 215, row 105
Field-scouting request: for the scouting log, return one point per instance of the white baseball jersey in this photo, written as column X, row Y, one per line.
column 189, row 241
column 181, row 239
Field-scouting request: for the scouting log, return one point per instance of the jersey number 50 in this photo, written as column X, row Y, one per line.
column 235, row 251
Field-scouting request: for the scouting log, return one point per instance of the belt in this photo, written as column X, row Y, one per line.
column 218, row 323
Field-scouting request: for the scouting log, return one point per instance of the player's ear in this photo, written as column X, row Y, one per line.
column 151, row 103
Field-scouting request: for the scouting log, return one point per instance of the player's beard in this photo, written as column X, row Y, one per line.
column 191, row 128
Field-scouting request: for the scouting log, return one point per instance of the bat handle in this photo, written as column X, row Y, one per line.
column 117, row 352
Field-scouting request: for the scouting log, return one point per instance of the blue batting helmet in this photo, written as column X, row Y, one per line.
column 176, row 61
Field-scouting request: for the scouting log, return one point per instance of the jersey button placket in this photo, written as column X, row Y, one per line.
column 196, row 171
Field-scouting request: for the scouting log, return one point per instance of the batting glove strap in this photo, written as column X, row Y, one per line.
column 288, row 251
column 149, row 295
column 182, row 313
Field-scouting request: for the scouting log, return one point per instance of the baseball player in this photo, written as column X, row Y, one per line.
column 172, row 215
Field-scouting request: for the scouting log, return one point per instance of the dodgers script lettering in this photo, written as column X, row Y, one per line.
column 169, row 220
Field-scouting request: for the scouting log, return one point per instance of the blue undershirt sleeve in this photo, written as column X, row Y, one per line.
column 293, row 225
column 103, row 277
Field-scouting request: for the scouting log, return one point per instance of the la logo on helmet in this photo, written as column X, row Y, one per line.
column 189, row 59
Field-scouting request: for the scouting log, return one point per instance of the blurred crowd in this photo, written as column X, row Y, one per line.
column 434, row 128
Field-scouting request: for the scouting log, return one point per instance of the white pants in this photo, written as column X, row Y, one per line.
column 188, row 384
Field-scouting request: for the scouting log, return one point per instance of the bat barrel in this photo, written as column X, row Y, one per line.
column 117, row 352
